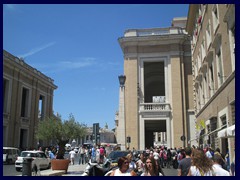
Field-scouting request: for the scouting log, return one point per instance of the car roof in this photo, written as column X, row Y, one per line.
column 9, row 148
column 34, row 151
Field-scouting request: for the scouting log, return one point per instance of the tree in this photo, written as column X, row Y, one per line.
column 61, row 131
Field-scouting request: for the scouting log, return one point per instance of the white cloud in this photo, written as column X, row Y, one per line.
column 61, row 66
column 35, row 50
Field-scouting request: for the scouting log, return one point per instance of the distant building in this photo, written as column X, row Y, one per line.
column 212, row 28
column 157, row 96
column 27, row 99
column 106, row 136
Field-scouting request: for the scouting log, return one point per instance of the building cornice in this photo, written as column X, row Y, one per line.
column 15, row 63
column 154, row 40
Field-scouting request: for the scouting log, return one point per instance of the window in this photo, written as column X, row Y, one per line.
column 203, row 50
column 220, row 67
column 25, row 104
column 199, row 61
column 232, row 46
column 5, row 95
column 233, row 112
column 223, row 120
column 41, row 106
column 205, row 94
column 208, row 35
column 215, row 18
column 211, row 80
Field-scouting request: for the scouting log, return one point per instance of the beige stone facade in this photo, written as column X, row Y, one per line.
column 27, row 99
column 158, row 94
column 212, row 27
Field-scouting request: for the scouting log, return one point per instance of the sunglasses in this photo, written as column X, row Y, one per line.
column 126, row 162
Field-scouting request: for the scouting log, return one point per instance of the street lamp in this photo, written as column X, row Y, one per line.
column 121, row 129
column 122, row 79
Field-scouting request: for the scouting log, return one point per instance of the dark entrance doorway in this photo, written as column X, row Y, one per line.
column 152, row 126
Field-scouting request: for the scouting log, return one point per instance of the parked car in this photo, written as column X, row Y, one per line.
column 10, row 154
column 39, row 160
column 114, row 156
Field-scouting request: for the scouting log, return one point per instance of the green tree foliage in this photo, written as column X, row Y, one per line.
column 61, row 131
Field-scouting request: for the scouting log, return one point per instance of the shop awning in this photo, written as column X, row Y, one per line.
column 227, row 132
column 231, row 130
column 222, row 133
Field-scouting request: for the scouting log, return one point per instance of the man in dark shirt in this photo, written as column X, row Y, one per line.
column 185, row 163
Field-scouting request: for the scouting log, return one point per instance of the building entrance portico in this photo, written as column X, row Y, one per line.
column 150, row 127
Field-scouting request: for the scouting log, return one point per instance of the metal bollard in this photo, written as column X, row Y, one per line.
column 27, row 166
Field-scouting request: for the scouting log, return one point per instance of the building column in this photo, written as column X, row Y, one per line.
column 121, row 134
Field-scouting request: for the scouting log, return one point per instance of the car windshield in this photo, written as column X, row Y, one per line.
column 27, row 154
column 117, row 154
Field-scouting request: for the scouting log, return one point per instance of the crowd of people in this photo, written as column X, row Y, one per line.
column 189, row 161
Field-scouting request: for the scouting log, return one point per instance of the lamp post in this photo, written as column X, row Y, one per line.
column 121, row 130
column 122, row 79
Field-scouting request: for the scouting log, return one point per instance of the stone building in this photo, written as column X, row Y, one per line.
column 212, row 28
column 156, row 95
column 27, row 99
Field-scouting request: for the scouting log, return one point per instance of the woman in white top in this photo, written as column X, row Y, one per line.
column 123, row 168
column 201, row 164
column 150, row 167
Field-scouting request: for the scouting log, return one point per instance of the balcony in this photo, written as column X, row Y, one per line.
column 154, row 32
column 150, row 110
column 25, row 120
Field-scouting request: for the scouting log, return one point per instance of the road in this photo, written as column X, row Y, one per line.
column 9, row 170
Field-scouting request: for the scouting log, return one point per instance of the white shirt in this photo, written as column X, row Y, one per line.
column 195, row 172
column 119, row 173
column 219, row 171
column 72, row 154
column 208, row 154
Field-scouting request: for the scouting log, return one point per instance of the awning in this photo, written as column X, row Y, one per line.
column 222, row 133
column 227, row 132
column 231, row 130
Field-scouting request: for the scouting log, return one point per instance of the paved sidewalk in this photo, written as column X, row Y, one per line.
column 75, row 170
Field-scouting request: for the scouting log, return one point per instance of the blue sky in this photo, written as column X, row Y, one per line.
column 77, row 46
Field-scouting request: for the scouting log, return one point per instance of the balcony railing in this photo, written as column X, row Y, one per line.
column 153, row 107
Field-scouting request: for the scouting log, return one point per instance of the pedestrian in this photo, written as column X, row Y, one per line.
column 150, row 167
column 51, row 155
column 185, row 163
column 169, row 158
column 123, row 168
column 46, row 152
column 158, row 165
column 101, row 158
column 72, row 154
column 140, row 164
column 93, row 154
column 132, row 164
column 201, row 164
column 81, row 153
column 217, row 167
